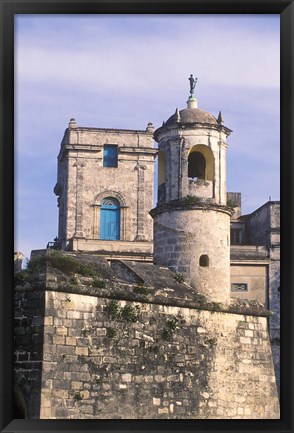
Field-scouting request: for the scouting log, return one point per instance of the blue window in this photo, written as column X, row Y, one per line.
column 110, row 219
column 110, row 155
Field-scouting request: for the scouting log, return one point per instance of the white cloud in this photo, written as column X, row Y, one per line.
column 114, row 72
column 101, row 58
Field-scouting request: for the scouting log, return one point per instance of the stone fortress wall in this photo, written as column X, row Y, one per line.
column 130, row 351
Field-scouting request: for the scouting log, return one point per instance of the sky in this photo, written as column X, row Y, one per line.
column 123, row 71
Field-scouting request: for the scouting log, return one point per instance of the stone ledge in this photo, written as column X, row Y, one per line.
column 184, row 205
column 242, row 307
column 160, row 284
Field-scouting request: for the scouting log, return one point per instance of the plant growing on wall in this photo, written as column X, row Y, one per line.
column 36, row 264
column 110, row 333
column 231, row 203
column 179, row 278
column 20, row 278
column 99, row 284
column 191, row 199
column 60, row 261
column 73, row 280
column 113, row 310
column 141, row 290
column 78, row 396
column 127, row 313
column 168, row 331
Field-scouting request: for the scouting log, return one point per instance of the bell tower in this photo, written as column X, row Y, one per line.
column 191, row 219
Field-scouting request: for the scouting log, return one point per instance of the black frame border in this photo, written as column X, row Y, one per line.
column 8, row 8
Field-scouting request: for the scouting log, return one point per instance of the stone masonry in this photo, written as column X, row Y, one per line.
column 258, row 248
column 264, row 226
column 137, row 350
column 181, row 233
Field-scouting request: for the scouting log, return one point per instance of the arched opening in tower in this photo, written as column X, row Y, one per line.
column 196, row 165
column 201, row 163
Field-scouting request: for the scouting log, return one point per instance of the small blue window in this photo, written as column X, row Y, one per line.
column 110, row 155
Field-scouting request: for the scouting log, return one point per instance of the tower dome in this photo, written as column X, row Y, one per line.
column 191, row 219
column 193, row 115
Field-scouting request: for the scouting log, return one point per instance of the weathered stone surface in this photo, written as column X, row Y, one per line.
column 257, row 263
column 163, row 362
column 84, row 181
column 191, row 220
column 191, row 229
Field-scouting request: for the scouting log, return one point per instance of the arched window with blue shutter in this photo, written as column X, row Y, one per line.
column 110, row 219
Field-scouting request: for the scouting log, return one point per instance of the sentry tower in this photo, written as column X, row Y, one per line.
column 191, row 219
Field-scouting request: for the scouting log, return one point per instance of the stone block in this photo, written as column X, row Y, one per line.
column 70, row 341
column 87, row 409
column 58, row 339
column 248, row 333
column 60, row 393
column 61, row 331
column 76, row 385
column 163, row 411
column 245, row 340
column 100, row 332
column 48, row 321
column 82, row 351
column 126, row 377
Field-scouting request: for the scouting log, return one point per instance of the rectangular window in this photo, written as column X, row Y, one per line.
column 110, row 155
column 239, row 287
column 236, row 236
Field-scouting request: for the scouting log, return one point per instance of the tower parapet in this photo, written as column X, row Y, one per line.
column 191, row 219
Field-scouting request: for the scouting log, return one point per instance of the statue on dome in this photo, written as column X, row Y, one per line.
column 193, row 82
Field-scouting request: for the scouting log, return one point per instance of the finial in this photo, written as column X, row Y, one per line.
column 178, row 116
column 72, row 123
column 220, row 119
column 150, row 127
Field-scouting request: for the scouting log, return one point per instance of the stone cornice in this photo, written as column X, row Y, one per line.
column 182, row 205
column 197, row 125
column 134, row 149
column 97, row 148
column 114, row 130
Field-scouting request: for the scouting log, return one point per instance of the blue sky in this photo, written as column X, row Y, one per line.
column 123, row 71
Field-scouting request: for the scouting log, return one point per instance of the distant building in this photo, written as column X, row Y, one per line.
column 18, row 258
column 255, row 261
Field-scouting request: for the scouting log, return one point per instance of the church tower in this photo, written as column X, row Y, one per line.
column 105, row 190
column 192, row 219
